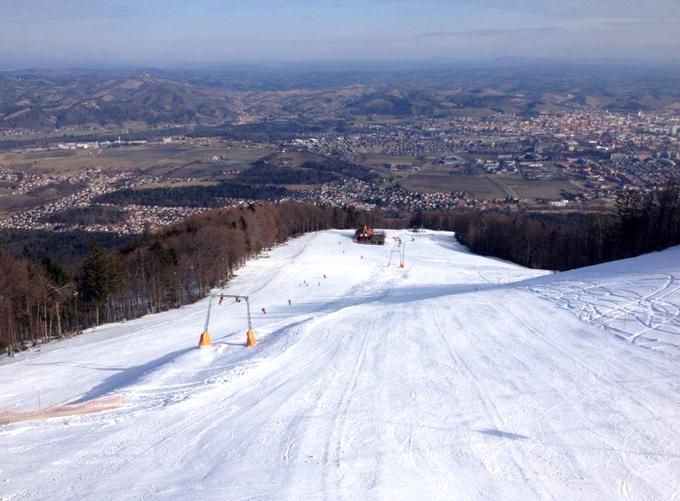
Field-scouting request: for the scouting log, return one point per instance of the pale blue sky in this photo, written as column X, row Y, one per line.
column 34, row 32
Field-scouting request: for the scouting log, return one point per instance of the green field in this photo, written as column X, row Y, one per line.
column 489, row 186
column 551, row 189
column 11, row 202
column 380, row 160
column 176, row 160
column 430, row 182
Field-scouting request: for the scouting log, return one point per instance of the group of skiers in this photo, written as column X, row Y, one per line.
column 290, row 302
column 304, row 283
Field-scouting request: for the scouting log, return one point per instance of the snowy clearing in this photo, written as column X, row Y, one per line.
column 457, row 377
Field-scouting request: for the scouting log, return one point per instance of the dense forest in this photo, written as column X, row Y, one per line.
column 259, row 182
column 322, row 171
column 192, row 196
column 344, row 168
column 261, row 172
column 67, row 247
column 41, row 299
column 89, row 215
column 644, row 222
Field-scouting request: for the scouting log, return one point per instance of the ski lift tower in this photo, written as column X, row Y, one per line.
column 250, row 333
column 397, row 249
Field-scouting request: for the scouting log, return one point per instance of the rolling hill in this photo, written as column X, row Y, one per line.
column 164, row 98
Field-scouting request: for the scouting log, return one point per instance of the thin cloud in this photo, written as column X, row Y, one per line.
column 490, row 32
column 45, row 11
column 150, row 30
column 639, row 23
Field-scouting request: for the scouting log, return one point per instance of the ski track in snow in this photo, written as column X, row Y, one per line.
column 625, row 298
column 458, row 377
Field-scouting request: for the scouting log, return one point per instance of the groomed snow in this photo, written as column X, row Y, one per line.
column 458, row 377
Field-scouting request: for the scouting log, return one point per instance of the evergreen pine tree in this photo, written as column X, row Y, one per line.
column 100, row 277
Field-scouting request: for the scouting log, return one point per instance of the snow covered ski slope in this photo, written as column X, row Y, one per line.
column 637, row 299
column 457, row 377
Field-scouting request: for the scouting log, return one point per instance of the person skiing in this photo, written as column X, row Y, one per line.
column 264, row 312
column 289, row 302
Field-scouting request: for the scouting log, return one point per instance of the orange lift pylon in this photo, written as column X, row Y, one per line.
column 205, row 340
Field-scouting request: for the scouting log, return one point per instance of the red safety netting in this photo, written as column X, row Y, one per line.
column 60, row 410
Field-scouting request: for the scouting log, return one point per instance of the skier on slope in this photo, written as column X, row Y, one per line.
column 264, row 312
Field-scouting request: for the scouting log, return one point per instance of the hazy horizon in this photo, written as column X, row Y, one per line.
column 337, row 65
column 207, row 32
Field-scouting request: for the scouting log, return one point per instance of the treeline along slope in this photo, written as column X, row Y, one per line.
column 42, row 299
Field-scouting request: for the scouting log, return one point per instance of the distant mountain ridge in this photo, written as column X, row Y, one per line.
column 35, row 102
column 49, row 100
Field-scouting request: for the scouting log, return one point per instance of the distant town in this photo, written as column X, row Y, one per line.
column 580, row 158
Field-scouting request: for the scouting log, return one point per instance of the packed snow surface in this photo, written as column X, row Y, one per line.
column 456, row 377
